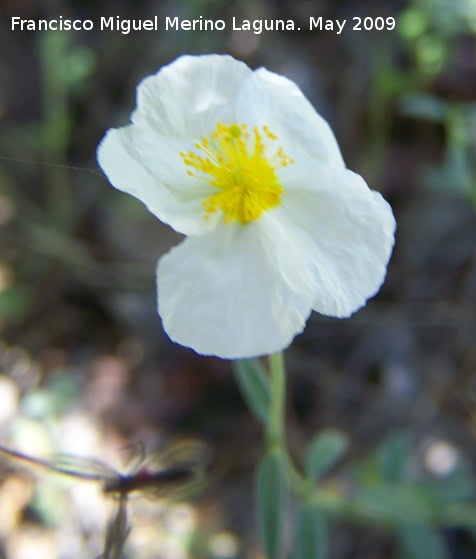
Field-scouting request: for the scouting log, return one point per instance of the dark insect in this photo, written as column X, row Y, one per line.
column 175, row 472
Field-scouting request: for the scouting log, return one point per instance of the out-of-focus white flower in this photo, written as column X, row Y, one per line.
column 239, row 162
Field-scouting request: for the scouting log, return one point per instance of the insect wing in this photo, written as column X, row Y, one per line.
column 76, row 466
column 194, row 455
column 176, row 472
column 83, row 468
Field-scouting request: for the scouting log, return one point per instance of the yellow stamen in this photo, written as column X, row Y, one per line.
column 242, row 167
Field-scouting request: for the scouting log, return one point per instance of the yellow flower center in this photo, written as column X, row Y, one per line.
column 241, row 166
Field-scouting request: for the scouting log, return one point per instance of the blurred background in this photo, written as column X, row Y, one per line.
column 85, row 367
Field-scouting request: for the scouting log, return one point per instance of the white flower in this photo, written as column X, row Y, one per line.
column 239, row 162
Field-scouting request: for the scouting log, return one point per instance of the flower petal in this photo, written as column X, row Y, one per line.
column 267, row 98
column 344, row 235
column 119, row 158
column 172, row 114
column 222, row 294
column 186, row 98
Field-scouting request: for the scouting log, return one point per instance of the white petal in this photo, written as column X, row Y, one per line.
column 267, row 98
column 176, row 107
column 172, row 196
column 189, row 96
column 222, row 294
column 344, row 235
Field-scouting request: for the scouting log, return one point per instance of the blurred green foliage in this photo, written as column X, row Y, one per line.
column 432, row 32
column 391, row 488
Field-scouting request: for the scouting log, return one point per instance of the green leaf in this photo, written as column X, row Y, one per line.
column 254, row 386
column 271, row 493
column 311, row 534
column 397, row 504
column 324, row 452
column 393, row 456
column 421, row 541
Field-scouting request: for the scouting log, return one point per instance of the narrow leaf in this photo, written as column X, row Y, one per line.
column 271, row 492
column 254, row 386
column 311, row 534
column 393, row 456
column 324, row 452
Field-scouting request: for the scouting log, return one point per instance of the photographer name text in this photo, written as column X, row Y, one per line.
column 256, row 26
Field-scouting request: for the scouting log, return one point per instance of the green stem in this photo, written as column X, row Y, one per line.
column 275, row 432
column 276, row 436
